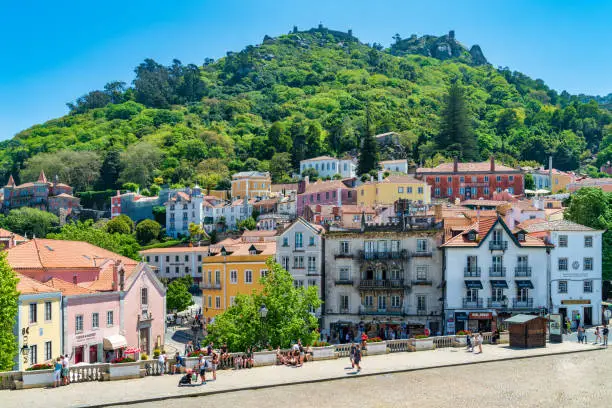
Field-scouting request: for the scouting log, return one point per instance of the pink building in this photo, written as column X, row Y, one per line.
column 109, row 301
column 336, row 192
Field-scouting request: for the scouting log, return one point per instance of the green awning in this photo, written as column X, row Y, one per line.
column 524, row 284
column 473, row 284
column 499, row 284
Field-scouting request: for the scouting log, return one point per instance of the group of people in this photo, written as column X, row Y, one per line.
column 296, row 356
column 601, row 335
column 61, row 371
column 355, row 355
column 474, row 341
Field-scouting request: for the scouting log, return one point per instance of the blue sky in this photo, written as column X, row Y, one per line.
column 51, row 52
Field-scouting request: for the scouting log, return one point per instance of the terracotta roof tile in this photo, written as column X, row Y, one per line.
column 7, row 234
column 28, row 286
column 319, row 186
column 68, row 288
column 466, row 168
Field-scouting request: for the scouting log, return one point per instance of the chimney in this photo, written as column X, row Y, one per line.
column 455, row 164
column 339, row 197
column 380, row 176
column 438, row 211
column 492, row 163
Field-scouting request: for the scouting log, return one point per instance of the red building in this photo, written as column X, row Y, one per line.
column 471, row 180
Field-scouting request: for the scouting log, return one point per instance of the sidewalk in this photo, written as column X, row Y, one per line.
column 165, row 387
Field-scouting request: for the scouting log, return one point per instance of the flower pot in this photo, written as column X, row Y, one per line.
column 323, row 353
column 376, row 348
column 124, row 371
column 423, row 344
column 263, row 358
column 37, row 378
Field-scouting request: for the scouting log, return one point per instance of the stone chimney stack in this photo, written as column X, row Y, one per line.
column 492, row 159
column 455, row 164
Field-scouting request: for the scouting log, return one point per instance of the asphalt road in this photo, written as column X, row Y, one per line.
column 571, row 380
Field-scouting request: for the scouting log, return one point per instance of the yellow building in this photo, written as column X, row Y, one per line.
column 389, row 190
column 233, row 267
column 39, row 323
column 252, row 184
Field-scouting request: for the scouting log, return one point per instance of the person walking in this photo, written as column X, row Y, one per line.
column 214, row 365
column 568, row 326
column 597, row 335
column 57, row 372
column 479, row 340
column 578, row 319
column 357, row 358
column 203, row 365
column 66, row 369
column 352, row 355
column 468, row 341
column 161, row 362
column 605, row 332
column 580, row 333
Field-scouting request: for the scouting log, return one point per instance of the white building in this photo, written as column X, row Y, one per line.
column 327, row 166
column 576, row 269
column 397, row 166
column 299, row 249
column 176, row 262
column 383, row 282
column 492, row 273
column 182, row 209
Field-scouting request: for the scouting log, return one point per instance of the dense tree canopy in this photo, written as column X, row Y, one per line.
column 29, row 221
column 306, row 94
column 8, row 314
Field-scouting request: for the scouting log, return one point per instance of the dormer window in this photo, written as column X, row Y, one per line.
column 471, row 236
column 520, row 236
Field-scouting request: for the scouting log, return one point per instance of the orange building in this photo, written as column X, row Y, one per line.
column 233, row 267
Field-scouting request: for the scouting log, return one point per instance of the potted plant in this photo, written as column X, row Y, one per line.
column 38, row 375
column 321, row 350
column 423, row 342
column 123, row 368
column 375, row 345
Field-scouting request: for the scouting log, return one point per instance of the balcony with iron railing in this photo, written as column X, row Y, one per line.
column 471, row 271
column 422, row 282
column 423, row 253
column 343, row 254
column 344, row 282
column 382, row 255
column 522, row 271
column 497, row 303
column 524, row 303
column 313, row 272
column 473, row 303
column 498, row 245
column 497, row 271
column 381, row 284
column 372, row 310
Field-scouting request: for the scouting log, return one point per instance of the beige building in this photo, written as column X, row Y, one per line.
column 252, row 184
column 395, row 187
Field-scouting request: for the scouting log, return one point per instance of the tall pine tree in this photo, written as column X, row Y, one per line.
column 456, row 137
column 368, row 156
column 8, row 314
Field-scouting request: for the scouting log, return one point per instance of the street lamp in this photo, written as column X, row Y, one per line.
column 263, row 312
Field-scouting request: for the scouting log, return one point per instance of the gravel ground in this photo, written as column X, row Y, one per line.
column 572, row 380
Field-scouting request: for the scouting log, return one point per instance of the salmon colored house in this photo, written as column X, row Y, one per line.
column 109, row 302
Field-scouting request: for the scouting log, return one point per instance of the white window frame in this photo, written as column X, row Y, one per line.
column 110, row 318
column 562, row 286
column 233, row 276
column 95, row 320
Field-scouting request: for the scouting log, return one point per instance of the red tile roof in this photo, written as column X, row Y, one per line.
column 482, row 228
column 29, row 286
column 466, row 168
column 51, row 253
column 68, row 288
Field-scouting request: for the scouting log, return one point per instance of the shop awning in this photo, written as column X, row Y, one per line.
column 473, row 284
column 499, row 284
column 522, row 284
column 114, row 342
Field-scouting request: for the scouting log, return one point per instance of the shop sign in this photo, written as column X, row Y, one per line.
column 576, row 302
column 450, row 326
column 480, row 316
column 461, row 316
column 84, row 338
column 555, row 324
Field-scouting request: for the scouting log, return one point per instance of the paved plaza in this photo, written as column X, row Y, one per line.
column 117, row 392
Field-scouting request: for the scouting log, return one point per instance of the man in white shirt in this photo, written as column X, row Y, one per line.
column 66, row 369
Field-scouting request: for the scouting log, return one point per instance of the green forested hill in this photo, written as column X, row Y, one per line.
column 296, row 96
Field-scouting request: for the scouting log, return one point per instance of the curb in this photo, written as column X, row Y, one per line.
column 318, row 380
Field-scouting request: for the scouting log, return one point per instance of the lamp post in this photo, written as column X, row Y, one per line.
column 263, row 312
